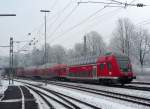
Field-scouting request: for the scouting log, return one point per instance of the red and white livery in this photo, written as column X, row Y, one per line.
column 110, row 68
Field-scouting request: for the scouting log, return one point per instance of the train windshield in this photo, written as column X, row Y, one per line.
column 123, row 63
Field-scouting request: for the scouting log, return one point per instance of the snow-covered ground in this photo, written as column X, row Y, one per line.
column 3, row 86
column 142, row 75
column 144, row 94
column 97, row 100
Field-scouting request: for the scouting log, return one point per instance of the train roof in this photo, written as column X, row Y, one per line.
column 41, row 66
column 116, row 54
column 93, row 59
column 46, row 65
column 79, row 61
column 83, row 60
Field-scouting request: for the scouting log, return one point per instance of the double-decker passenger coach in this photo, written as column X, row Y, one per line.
column 110, row 68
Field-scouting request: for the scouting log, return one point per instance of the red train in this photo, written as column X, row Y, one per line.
column 110, row 68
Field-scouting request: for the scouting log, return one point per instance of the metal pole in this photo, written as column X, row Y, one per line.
column 9, row 61
column 12, row 63
column 45, row 41
column 45, row 51
column 11, row 49
column 85, row 48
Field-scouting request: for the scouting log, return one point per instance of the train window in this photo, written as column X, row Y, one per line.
column 102, row 66
column 123, row 63
column 94, row 72
column 109, row 65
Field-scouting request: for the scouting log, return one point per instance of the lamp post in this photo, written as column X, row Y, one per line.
column 45, row 52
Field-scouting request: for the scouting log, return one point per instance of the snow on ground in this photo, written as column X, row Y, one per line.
column 101, row 101
column 145, row 94
column 3, row 87
column 142, row 75
column 39, row 100
column 139, row 85
column 97, row 100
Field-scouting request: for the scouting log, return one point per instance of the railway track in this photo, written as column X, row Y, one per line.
column 69, row 102
column 124, row 97
column 41, row 94
column 141, row 83
column 128, row 86
column 133, row 87
column 43, row 98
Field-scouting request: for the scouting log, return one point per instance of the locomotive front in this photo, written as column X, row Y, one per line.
column 125, row 68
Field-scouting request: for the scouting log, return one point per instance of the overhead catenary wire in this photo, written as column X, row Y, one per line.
column 106, row 3
column 56, row 15
column 80, row 23
column 97, row 22
column 60, row 13
column 144, row 22
column 116, row 3
column 71, row 28
column 40, row 26
column 63, row 21
column 54, row 4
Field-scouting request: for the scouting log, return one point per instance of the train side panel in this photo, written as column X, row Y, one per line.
column 83, row 72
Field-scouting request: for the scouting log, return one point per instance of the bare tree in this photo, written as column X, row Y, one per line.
column 59, row 54
column 70, row 53
column 94, row 46
column 95, row 43
column 78, row 49
column 37, row 56
column 141, row 45
column 131, row 40
column 122, row 34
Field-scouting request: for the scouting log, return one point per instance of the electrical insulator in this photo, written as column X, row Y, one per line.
column 140, row 5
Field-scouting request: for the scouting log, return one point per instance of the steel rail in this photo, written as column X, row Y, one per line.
column 60, row 94
column 125, row 97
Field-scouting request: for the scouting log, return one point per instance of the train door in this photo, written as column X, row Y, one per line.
column 109, row 66
column 102, row 69
column 94, row 74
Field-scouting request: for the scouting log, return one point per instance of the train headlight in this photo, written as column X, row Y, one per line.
column 110, row 73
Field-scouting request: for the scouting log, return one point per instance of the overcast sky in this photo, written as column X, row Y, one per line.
column 29, row 19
